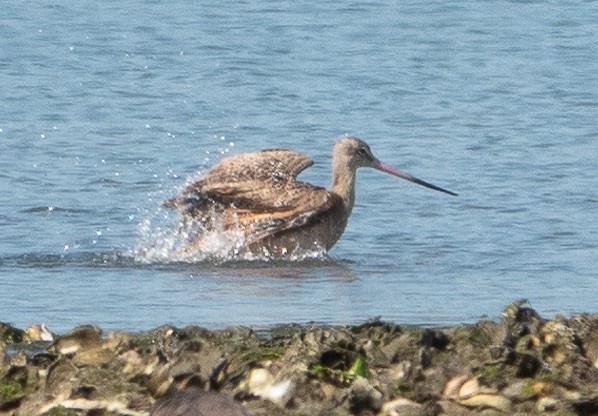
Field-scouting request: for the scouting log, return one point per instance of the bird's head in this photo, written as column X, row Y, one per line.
column 354, row 153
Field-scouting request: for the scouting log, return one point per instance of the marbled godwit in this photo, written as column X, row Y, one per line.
column 259, row 193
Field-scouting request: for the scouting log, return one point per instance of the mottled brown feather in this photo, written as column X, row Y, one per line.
column 257, row 192
column 266, row 165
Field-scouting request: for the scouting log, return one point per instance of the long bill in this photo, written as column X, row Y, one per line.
column 381, row 166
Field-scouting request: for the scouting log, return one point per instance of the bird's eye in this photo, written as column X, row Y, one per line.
column 362, row 151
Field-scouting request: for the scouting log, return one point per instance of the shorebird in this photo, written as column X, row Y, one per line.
column 259, row 194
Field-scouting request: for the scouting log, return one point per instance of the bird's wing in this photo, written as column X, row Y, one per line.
column 257, row 192
column 261, row 208
column 267, row 165
column 271, row 213
column 293, row 206
column 241, row 179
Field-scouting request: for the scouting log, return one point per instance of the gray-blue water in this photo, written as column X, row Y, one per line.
column 108, row 108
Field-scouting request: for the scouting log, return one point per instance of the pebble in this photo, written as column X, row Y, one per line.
column 470, row 388
column 263, row 384
column 451, row 390
column 483, row 401
column 398, row 406
column 544, row 404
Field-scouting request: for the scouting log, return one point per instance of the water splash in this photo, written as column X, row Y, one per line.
column 166, row 239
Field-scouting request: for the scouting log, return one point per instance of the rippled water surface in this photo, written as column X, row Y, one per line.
column 109, row 108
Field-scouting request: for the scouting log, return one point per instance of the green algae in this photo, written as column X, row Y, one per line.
column 61, row 411
column 359, row 368
column 263, row 354
column 10, row 390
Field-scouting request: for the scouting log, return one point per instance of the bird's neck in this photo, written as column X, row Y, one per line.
column 343, row 183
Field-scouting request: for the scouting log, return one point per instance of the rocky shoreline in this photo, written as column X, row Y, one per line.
column 523, row 365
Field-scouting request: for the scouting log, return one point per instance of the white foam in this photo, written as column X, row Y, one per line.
column 165, row 238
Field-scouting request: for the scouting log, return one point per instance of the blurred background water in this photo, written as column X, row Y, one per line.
column 108, row 108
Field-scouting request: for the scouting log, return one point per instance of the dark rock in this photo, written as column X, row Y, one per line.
column 10, row 334
column 197, row 402
column 522, row 365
